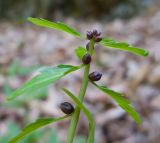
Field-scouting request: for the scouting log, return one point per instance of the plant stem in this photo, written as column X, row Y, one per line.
column 75, row 116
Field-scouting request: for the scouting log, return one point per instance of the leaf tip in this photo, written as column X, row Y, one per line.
column 9, row 98
column 146, row 53
column 139, row 121
column 29, row 18
column 64, row 90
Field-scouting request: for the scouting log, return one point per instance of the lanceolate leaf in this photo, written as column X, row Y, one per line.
column 80, row 52
column 110, row 43
column 34, row 126
column 45, row 77
column 86, row 112
column 122, row 102
column 55, row 25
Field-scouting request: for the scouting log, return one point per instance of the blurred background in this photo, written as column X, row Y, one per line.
column 25, row 47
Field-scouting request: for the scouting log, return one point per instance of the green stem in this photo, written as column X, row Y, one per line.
column 75, row 116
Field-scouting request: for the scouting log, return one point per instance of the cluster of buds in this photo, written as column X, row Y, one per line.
column 67, row 107
column 95, row 35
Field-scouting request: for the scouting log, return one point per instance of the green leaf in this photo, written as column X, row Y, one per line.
column 86, row 112
column 122, row 102
column 110, row 43
column 45, row 77
column 34, row 126
column 80, row 52
column 55, row 25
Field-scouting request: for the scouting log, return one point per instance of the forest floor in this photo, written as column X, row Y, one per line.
column 26, row 48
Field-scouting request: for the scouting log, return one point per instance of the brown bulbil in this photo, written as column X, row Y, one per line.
column 86, row 59
column 66, row 108
column 95, row 76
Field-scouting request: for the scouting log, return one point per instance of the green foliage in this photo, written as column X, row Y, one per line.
column 86, row 112
column 110, row 43
column 80, row 52
column 45, row 77
column 106, row 42
column 34, row 126
column 46, row 135
column 50, row 75
column 122, row 102
column 20, row 102
column 58, row 25
column 13, row 129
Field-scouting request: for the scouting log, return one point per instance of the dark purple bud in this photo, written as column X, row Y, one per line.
column 98, row 38
column 87, row 46
column 98, row 33
column 95, row 76
column 89, row 35
column 66, row 108
column 95, row 32
column 86, row 59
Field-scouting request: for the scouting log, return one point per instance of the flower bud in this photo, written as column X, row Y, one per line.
column 87, row 46
column 66, row 108
column 86, row 59
column 95, row 32
column 98, row 34
column 89, row 35
column 95, row 76
column 98, row 38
